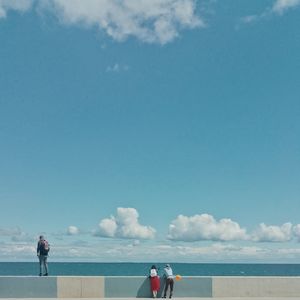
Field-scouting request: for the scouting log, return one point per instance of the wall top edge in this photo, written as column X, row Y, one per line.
column 61, row 276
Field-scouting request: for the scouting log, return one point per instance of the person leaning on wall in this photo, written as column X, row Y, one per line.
column 168, row 274
column 154, row 281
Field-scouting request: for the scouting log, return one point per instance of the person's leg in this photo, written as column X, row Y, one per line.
column 45, row 265
column 41, row 262
column 166, row 287
column 171, row 287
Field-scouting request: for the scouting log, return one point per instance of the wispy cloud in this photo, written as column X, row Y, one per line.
column 150, row 21
column 16, row 234
column 279, row 7
column 117, row 68
column 125, row 225
column 10, row 231
column 16, row 5
column 17, row 251
column 23, row 237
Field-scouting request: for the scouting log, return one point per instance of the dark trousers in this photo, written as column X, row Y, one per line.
column 169, row 282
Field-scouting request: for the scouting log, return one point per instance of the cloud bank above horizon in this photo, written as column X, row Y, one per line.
column 144, row 252
column 197, row 228
column 187, row 240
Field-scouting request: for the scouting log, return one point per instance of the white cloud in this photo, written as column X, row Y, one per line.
column 280, row 6
column 108, row 227
column 273, row 233
column 205, row 227
column 17, row 5
column 72, row 230
column 151, row 21
column 125, row 225
column 296, row 231
column 148, row 20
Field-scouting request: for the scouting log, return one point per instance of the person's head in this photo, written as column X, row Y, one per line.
column 41, row 238
column 167, row 266
column 153, row 267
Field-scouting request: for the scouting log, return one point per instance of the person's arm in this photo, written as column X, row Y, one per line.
column 38, row 249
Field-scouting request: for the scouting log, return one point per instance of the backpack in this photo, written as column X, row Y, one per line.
column 45, row 247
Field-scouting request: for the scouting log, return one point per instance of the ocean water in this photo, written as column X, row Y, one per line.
column 142, row 269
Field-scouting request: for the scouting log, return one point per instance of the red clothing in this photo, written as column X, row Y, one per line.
column 155, row 283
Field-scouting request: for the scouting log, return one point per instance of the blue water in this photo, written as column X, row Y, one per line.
column 141, row 269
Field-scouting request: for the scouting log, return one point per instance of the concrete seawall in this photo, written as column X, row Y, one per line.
column 139, row 287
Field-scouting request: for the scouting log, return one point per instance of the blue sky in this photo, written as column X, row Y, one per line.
column 167, row 128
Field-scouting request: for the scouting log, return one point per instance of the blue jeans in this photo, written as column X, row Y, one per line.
column 43, row 264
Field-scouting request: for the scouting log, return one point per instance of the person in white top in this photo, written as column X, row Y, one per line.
column 154, row 281
column 168, row 274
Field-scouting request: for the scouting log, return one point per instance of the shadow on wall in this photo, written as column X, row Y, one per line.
column 162, row 287
column 144, row 290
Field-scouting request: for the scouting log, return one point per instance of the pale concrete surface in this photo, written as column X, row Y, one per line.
column 174, row 298
column 68, row 287
column 263, row 287
column 80, row 287
column 92, row 287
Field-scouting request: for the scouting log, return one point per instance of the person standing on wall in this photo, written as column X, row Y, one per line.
column 168, row 274
column 42, row 250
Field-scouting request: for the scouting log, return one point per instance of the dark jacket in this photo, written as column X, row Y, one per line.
column 41, row 249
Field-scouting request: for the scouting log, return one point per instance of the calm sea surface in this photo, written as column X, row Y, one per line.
column 141, row 269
